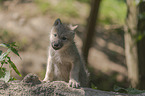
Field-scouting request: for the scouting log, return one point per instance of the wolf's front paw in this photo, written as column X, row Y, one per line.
column 73, row 83
column 46, row 81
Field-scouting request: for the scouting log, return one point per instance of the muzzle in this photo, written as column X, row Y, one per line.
column 56, row 45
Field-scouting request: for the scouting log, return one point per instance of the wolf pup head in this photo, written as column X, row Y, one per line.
column 62, row 35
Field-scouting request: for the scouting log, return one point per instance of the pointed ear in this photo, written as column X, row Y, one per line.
column 73, row 27
column 57, row 22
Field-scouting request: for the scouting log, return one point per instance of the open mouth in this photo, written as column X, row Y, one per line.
column 56, row 46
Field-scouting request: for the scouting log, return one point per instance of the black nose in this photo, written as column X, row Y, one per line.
column 56, row 44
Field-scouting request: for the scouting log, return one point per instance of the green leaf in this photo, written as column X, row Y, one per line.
column 3, row 56
column 3, row 62
column 10, row 47
column 117, row 88
column 15, row 51
column 93, row 86
column 6, row 76
column 1, row 52
column 13, row 44
column 6, row 62
column 4, row 45
column 14, row 67
column 2, row 72
column 12, row 79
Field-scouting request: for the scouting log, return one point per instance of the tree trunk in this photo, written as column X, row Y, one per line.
column 135, row 44
column 141, row 45
column 130, row 45
column 90, row 28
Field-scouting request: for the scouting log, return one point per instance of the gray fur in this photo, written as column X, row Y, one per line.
column 64, row 62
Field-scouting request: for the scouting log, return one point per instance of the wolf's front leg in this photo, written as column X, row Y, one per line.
column 74, row 75
column 49, row 71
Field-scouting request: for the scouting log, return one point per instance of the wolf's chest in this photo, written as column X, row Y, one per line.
column 62, row 71
column 62, row 58
column 62, row 66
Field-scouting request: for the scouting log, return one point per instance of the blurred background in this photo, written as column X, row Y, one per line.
column 28, row 23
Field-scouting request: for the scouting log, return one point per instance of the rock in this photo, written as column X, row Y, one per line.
column 3, row 85
column 32, row 86
column 31, row 79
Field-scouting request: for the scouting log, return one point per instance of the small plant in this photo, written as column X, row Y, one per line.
column 128, row 90
column 93, row 86
column 5, row 59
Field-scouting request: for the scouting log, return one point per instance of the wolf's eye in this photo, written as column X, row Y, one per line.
column 64, row 38
column 55, row 35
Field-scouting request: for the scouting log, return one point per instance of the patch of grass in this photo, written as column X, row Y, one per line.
column 84, row 1
column 43, row 5
column 112, row 12
column 65, row 7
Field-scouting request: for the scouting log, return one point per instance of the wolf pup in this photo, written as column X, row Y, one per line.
column 64, row 62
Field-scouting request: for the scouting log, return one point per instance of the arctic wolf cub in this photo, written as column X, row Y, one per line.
column 64, row 62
